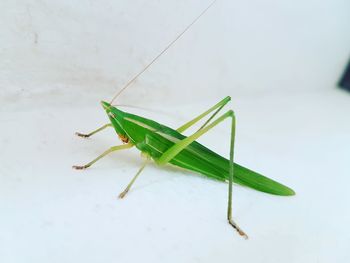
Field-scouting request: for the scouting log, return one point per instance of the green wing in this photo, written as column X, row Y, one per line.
column 249, row 178
column 155, row 139
column 198, row 158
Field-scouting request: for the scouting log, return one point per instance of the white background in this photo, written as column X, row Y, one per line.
column 279, row 61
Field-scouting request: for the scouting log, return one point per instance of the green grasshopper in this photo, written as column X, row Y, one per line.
column 165, row 145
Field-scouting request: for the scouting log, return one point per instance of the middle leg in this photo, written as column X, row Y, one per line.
column 112, row 149
column 126, row 190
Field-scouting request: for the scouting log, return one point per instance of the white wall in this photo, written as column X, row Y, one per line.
column 89, row 49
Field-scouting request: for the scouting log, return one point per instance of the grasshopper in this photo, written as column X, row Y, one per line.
column 165, row 145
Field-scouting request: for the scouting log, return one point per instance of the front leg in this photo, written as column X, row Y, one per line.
column 87, row 135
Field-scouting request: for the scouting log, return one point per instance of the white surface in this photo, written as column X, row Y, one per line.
column 50, row 212
column 278, row 61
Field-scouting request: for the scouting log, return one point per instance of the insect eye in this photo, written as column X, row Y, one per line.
column 111, row 114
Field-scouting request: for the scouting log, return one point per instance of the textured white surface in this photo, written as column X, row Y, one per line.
column 88, row 49
column 279, row 62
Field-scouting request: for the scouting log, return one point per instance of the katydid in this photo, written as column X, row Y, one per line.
column 165, row 145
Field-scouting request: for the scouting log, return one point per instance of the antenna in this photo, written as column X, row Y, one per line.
column 164, row 50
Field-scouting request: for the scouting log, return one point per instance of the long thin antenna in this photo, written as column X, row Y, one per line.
column 161, row 53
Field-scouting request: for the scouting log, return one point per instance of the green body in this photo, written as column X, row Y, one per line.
column 154, row 139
